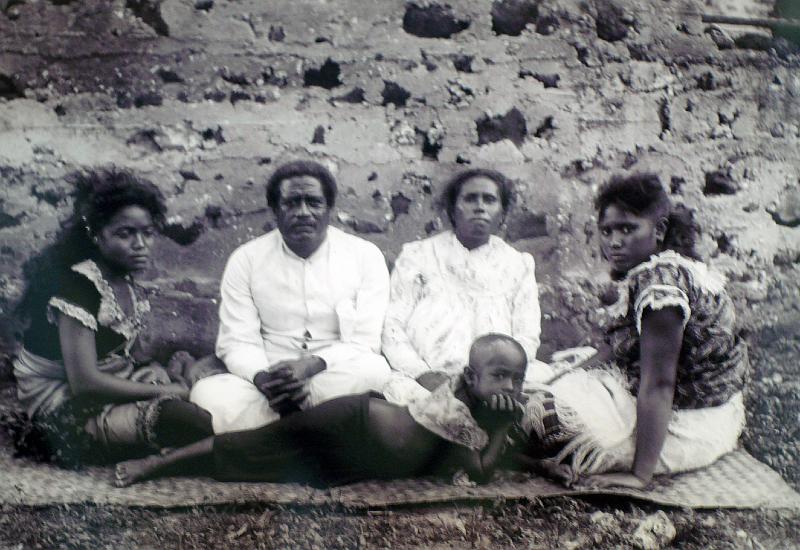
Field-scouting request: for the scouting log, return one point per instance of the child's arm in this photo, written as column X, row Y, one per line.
column 501, row 412
column 661, row 339
column 84, row 378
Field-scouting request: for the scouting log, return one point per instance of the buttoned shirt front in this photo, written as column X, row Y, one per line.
column 278, row 306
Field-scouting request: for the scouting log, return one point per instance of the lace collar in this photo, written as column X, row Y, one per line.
column 706, row 278
column 447, row 416
column 110, row 314
column 492, row 269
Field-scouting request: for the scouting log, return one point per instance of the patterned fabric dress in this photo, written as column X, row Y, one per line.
column 73, row 430
column 596, row 408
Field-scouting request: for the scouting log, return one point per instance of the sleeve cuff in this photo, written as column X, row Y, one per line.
column 243, row 364
column 71, row 310
column 658, row 297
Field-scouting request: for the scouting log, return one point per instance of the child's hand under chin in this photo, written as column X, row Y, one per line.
column 499, row 411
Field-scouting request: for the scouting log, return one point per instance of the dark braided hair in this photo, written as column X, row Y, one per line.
column 98, row 196
column 643, row 195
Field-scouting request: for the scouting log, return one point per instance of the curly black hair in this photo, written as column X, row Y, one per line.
column 301, row 168
column 99, row 194
column 643, row 195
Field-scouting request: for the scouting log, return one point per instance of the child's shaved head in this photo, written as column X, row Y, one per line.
column 497, row 365
column 495, row 343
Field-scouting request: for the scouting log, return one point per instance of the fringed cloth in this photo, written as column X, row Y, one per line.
column 587, row 420
column 72, row 431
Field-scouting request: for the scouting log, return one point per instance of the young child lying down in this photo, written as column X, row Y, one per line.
column 462, row 425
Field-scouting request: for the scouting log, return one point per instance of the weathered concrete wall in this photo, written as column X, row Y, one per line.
column 206, row 97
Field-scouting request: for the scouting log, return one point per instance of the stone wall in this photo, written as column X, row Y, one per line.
column 207, row 97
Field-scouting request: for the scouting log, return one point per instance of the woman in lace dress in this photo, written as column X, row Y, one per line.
column 666, row 394
column 87, row 398
column 458, row 284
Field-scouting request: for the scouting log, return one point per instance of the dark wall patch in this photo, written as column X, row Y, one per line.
column 463, row 63
column 213, row 134
column 510, row 17
column 356, row 95
column 10, row 89
column 184, row 236
column 546, row 129
column 527, row 225
column 168, row 76
column 326, row 76
column 149, row 11
column 6, row 219
column 609, row 22
column 399, row 204
column 433, row 21
column 510, row 126
column 276, row 33
column 395, row 94
column 719, row 183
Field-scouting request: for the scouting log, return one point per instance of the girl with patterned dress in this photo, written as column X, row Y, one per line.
column 86, row 396
column 665, row 396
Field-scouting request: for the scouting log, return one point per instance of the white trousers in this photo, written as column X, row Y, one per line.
column 236, row 404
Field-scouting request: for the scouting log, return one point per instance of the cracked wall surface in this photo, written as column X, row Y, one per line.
column 207, row 97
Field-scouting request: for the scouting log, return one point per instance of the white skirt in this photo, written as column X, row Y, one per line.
column 598, row 409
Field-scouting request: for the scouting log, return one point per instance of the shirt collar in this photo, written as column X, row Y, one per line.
column 321, row 251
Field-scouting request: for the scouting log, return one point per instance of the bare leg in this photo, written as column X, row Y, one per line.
column 133, row 471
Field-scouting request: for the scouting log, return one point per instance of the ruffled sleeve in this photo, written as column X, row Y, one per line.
column 660, row 284
column 78, row 298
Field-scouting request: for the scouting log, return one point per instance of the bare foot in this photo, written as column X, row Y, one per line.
column 132, row 471
column 178, row 365
column 559, row 472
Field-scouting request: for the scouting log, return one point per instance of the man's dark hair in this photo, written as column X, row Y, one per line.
column 301, row 168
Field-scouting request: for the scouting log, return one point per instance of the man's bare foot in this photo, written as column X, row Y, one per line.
column 132, row 471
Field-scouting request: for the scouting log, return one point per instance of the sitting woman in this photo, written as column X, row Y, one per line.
column 87, row 398
column 666, row 396
column 449, row 288
column 462, row 426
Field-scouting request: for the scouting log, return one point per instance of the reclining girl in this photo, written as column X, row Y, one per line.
column 462, row 425
column 666, row 396
column 87, row 397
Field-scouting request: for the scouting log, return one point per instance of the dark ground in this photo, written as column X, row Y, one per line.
column 550, row 523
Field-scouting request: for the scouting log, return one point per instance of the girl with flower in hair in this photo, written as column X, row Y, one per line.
column 86, row 395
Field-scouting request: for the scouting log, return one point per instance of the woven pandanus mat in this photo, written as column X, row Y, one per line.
column 735, row 481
